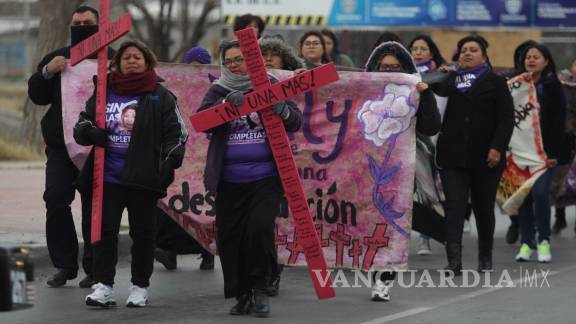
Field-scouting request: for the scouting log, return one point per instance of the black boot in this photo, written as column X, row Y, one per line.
column 59, row 278
column 512, row 233
column 485, row 263
column 485, row 246
column 261, row 303
column 454, row 254
column 274, row 284
column 87, row 282
column 167, row 258
column 243, row 305
column 560, row 222
column 207, row 261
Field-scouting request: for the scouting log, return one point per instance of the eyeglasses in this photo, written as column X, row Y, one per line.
column 421, row 49
column 312, row 43
column 390, row 68
column 238, row 60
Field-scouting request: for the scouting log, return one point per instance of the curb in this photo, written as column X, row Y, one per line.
column 42, row 262
column 16, row 165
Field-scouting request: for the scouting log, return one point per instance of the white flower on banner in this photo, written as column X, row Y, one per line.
column 389, row 116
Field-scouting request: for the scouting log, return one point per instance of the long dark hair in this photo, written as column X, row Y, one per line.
column 316, row 33
column 550, row 69
column 336, row 47
column 436, row 56
column 149, row 56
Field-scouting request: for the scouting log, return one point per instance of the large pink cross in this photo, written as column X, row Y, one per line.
column 108, row 32
column 261, row 99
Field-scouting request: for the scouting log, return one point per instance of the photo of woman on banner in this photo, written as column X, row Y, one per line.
column 241, row 170
column 393, row 57
column 140, row 159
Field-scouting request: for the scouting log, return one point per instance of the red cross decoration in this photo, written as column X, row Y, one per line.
column 107, row 33
column 262, row 99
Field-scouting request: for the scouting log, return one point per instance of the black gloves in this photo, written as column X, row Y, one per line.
column 281, row 109
column 235, row 97
column 98, row 136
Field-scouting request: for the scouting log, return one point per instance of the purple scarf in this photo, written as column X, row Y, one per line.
column 426, row 67
column 465, row 78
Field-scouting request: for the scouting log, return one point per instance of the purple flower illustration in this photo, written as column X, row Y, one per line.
column 384, row 120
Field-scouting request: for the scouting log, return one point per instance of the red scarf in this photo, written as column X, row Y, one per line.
column 133, row 83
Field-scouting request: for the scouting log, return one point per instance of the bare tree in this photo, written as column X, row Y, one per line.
column 156, row 29
column 53, row 33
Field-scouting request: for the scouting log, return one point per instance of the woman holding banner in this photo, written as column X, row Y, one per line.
column 139, row 164
column 393, row 57
column 241, row 170
column 470, row 153
column 534, row 214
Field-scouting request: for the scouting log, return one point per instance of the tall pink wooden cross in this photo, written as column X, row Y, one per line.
column 108, row 32
column 261, row 99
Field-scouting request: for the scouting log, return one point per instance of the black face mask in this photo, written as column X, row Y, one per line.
column 80, row 33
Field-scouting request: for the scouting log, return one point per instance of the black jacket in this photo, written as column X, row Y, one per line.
column 475, row 121
column 553, row 119
column 48, row 92
column 219, row 135
column 157, row 144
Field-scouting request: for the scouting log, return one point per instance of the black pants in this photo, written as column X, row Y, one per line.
column 479, row 185
column 141, row 205
column 245, row 216
column 171, row 237
column 59, row 192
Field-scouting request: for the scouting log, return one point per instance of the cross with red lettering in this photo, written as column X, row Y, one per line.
column 319, row 230
column 341, row 239
column 108, row 32
column 375, row 242
column 262, row 99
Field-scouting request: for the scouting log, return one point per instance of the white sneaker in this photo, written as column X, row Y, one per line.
column 381, row 290
column 102, row 296
column 524, row 254
column 424, row 246
column 544, row 254
column 138, row 297
column 466, row 228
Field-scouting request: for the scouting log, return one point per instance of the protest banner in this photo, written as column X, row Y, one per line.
column 355, row 155
column 526, row 159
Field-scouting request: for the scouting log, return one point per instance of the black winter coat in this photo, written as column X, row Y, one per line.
column 553, row 120
column 219, row 139
column 48, row 92
column 157, row 144
column 475, row 121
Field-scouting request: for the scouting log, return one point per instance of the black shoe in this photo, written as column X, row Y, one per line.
column 59, row 278
column 243, row 305
column 207, row 261
column 274, row 287
column 559, row 225
column 454, row 256
column 484, row 263
column 261, row 303
column 512, row 233
column 167, row 258
column 87, row 282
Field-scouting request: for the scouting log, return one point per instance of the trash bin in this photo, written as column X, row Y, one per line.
column 16, row 278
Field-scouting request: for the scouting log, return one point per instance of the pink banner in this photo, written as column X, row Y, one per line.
column 355, row 155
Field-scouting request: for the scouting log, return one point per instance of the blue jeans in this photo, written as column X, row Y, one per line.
column 534, row 214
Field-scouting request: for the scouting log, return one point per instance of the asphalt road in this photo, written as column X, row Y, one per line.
column 189, row 295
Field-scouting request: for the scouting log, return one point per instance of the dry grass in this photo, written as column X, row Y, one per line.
column 13, row 151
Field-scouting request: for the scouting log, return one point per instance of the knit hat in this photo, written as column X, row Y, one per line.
column 198, row 54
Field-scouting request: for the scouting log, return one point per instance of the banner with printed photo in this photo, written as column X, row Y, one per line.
column 526, row 159
column 355, row 154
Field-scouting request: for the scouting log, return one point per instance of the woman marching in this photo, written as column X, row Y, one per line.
column 393, row 57
column 534, row 214
column 241, row 170
column 475, row 133
column 144, row 139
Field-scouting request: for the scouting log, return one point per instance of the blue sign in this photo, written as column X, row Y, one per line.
column 555, row 13
column 517, row 13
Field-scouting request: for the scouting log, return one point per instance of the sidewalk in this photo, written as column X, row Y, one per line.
column 22, row 209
